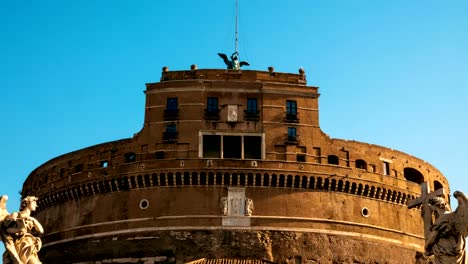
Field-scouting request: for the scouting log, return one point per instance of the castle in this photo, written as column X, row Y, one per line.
column 231, row 166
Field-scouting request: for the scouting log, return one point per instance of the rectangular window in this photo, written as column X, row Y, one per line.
column 103, row 163
column 386, row 168
column 252, row 147
column 292, row 136
column 252, row 105
column 252, row 113
column 170, row 134
column 130, row 157
column 211, row 146
column 159, row 155
column 171, row 104
column 172, row 111
column 291, row 107
column 232, row 147
column 291, row 111
column 171, row 129
column 212, row 111
column 212, row 105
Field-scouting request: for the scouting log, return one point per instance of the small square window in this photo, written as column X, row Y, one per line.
column 79, row 168
column 300, row 157
column 104, row 164
column 159, row 155
column 130, row 157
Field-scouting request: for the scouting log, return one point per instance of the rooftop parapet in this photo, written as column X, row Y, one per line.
column 241, row 75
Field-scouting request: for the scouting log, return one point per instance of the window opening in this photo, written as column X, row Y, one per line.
column 292, row 135
column 130, row 157
column 232, row 147
column 413, row 175
column 159, row 154
column 291, row 111
column 332, row 159
column 301, row 158
column 361, row 164
column 252, row 109
column 79, row 168
column 252, row 147
column 211, row 146
column 386, row 168
column 172, row 111
column 103, row 164
column 438, row 185
column 170, row 135
column 212, row 111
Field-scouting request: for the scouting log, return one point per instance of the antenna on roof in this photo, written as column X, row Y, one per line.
column 237, row 17
column 234, row 63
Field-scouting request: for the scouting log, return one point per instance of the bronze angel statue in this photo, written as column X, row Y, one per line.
column 19, row 231
column 234, row 63
column 446, row 239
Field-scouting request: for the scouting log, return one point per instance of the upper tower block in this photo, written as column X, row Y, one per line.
column 191, row 108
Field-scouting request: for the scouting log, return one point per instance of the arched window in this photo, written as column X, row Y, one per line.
column 361, row 164
column 438, row 185
column 332, row 159
column 413, row 175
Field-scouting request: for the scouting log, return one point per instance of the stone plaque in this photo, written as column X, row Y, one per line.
column 232, row 113
column 235, row 210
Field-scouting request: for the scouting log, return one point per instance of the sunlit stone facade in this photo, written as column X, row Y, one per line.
column 231, row 165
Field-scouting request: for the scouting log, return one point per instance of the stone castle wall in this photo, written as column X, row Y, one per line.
column 165, row 179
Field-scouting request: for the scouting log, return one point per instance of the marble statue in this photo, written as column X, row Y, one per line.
column 446, row 237
column 234, row 63
column 224, row 205
column 249, row 207
column 19, row 231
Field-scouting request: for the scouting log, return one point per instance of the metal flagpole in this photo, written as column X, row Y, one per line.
column 237, row 14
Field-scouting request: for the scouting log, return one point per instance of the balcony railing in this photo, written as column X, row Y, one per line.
column 292, row 118
column 251, row 116
column 170, row 137
column 212, row 114
column 171, row 114
column 291, row 140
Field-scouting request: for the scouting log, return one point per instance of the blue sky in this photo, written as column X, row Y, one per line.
column 391, row 73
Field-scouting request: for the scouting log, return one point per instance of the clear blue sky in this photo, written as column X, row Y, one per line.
column 392, row 73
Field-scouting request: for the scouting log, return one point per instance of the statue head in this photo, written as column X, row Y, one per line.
column 439, row 202
column 29, row 203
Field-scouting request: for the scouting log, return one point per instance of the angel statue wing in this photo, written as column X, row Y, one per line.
column 225, row 59
column 244, row 63
column 460, row 215
column 3, row 210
